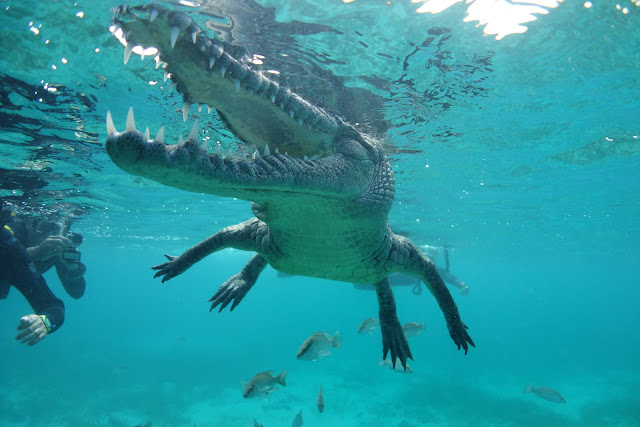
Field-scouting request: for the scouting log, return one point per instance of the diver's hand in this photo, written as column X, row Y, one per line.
column 32, row 330
column 52, row 246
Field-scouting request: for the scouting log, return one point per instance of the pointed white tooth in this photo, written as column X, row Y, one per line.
column 111, row 128
column 180, row 141
column 127, row 52
column 171, row 86
column 204, row 146
column 146, row 134
column 194, row 36
column 273, row 99
column 218, row 151
column 158, row 62
column 305, row 158
column 291, row 113
column 174, row 35
column 199, row 107
column 185, row 110
column 166, row 75
column 223, row 71
column 266, row 150
column 153, row 15
column 193, row 134
column 300, row 121
column 256, row 155
column 282, row 105
column 286, row 153
column 131, row 124
column 244, row 155
column 237, row 83
column 212, row 61
column 142, row 56
column 209, row 108
column 160, row 135
column 276, row 151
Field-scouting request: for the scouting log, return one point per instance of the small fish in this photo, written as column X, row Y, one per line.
column 412, row 329
column 318, row 345
column 368, row 325
column 262, row 384
column 320, row 400
column 545, row 393
column 297, row 421
column 398, row 367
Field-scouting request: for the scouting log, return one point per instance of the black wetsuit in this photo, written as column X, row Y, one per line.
column 72, row 280
column 17, row 269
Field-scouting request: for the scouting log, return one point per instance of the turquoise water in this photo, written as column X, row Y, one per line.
column 520, row 154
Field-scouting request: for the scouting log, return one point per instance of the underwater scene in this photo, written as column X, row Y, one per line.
column 320, row 212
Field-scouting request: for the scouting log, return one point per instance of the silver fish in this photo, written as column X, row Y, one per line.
column 297, row 421
column 262, row 384
column 318, row 345
column 545, row 393
column 412, row 329
column 368, row 325
column 320, row 400
column 398, row 367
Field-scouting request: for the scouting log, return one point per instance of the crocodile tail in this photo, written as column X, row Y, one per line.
column 336, row 340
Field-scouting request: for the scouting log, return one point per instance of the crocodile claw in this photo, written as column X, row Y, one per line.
column 169, row 269
column 233, row 289
column 394, row 341
column 459, row 335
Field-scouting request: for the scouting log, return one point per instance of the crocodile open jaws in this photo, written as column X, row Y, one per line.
column 321, row 190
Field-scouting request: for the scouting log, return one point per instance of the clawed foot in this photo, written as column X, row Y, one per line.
column 393, row 340
column 458, row 332
column 174, row 267
column 234, row 290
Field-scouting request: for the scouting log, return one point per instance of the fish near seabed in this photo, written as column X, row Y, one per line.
column 319, row 345
column 297, row 421
column 545, row 393
column 368, row 325
column 412, row 329
column 262, row 384
column 320, row 400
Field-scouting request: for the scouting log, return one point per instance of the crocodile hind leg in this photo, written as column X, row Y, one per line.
column 393, row 338
column 239, row 284
column 405, row 257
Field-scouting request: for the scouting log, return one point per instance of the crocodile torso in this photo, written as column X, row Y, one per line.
column 321, row 189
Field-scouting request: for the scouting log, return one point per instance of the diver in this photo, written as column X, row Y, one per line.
column 50, row 244
column 17, row 269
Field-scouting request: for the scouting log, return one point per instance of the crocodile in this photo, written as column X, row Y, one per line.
column 321, row 190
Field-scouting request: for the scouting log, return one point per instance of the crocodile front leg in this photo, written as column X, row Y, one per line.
column 393, row 338
column 251, row 235
column 239, row 284
column 407, row 258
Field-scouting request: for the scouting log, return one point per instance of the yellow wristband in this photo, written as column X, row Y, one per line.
column 46, row 322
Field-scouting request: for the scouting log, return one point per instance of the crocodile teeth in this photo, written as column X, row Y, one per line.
column 158, row 62
column 291, row 113
column 153, row 15
column 276, row 151
column 180, row 141
column 193, row 134
column 237, row 83
column 160, row 135
column 131, row 124
column 300, row 121
column 166, row 75
column 209, row 108
column 146, row 134
column 266, row 150
column 305, row 158
column 185, row 110
column 194, row 36
column 212, row 61
column 223, row 71
column 127, row 52
column 273, row 99
column 174, row 35
column 218, row 151
column 204, row 146
column 111, row 128
column 199, row 107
